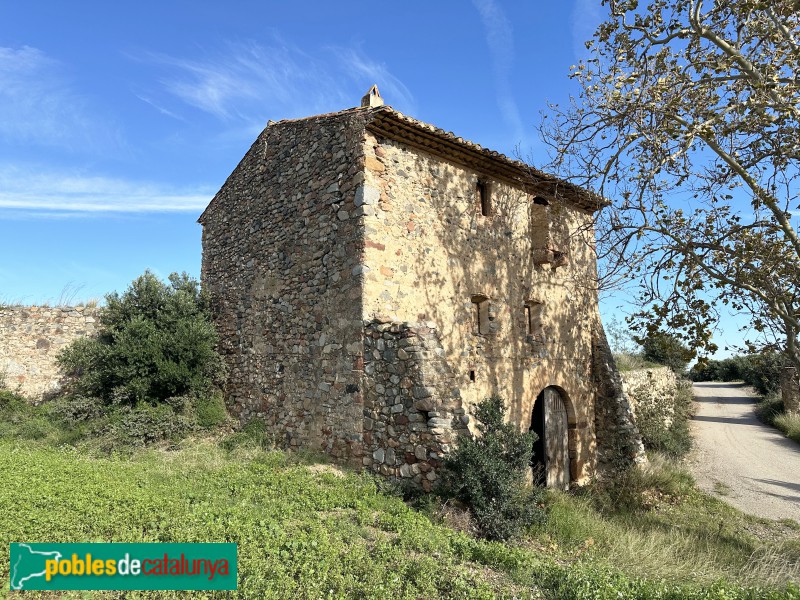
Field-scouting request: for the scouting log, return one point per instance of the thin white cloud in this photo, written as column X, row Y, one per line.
column 586, row 16
column 254, row 82
column 40, row 106
column 500, row 39
column 51, row 193
column 159, row 108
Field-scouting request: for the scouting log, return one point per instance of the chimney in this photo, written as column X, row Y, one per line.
column 372, row 98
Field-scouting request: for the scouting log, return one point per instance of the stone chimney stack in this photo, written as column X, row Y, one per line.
column 372, row 98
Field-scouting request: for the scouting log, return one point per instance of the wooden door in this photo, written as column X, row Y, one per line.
column 556, row 439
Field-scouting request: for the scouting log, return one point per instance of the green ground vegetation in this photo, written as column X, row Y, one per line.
column 772, row 412
column 307, row 529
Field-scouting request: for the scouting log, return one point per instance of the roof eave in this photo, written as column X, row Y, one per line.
column 389, row 123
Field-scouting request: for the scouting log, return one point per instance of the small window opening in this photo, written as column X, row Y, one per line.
column 480, row 314
column 472, row 375
column 534, row 327
column 484, row 197
column 538, row 200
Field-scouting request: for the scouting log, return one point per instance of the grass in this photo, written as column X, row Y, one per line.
column 656, row 524
column 305, row 531
column 309, row 530
column 772, row 412
column 299, row 532
column 789, row 424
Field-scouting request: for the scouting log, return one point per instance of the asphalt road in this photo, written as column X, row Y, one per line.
column 739, row 459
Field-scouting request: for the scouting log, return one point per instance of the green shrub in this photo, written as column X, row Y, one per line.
column 715, row 370
column 36, row 428
column 488, row 473
column 772, row 412
column 92, row 424
column 14, row 407
column 762, row 371
column 74, row 409
column 770, row 407
column 210, row 410
column 145, row 424
column 155, row 341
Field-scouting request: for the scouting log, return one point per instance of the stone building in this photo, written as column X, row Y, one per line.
column 373, row 278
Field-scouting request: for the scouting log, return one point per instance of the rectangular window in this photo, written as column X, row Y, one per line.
column 480, row 311
column 534, row 328
column 483, row 196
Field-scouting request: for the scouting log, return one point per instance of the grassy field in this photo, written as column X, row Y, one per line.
column 310, row 530
column 656, row 524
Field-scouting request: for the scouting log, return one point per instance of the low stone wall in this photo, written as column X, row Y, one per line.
column 651, row 392
column 412, row 405
column 31, row 338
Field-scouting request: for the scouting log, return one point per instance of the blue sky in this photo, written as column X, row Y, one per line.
column 119, row 121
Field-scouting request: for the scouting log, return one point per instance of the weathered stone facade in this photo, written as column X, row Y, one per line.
column 282, row 244
column 31, row 338
column 373, row 278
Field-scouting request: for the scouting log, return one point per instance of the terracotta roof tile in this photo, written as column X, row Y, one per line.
column 395, row 125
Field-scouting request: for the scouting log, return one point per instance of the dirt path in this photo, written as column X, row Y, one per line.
column 739, row 459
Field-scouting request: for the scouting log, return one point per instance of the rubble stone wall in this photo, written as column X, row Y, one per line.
column 619, row 443
column 412, row 405
column 31, row 338
column 282, row 243
column 652, row 391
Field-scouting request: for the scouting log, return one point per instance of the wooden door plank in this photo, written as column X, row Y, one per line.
column 556, row 440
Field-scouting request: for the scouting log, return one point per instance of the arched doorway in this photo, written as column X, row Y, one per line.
column 549, row 421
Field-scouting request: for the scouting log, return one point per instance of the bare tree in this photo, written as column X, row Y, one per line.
column 687, row 120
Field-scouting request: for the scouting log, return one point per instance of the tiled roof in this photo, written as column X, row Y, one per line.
column 392, row 124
